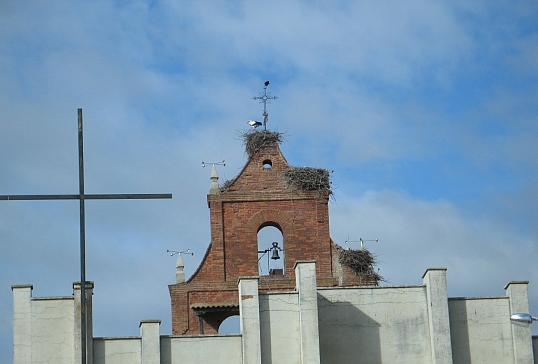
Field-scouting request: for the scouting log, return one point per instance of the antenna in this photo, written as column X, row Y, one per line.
column 361, row 240
column 265, row 98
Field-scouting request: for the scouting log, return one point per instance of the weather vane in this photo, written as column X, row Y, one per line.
column 264, row 98
column 361, row 240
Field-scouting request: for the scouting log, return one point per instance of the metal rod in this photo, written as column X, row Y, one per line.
column 121, row 196
column 82, row 197
column 82, row 240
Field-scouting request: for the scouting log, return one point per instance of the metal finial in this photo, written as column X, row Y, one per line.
column 265, row 98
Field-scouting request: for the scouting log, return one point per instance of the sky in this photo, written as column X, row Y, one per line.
column 425, row 111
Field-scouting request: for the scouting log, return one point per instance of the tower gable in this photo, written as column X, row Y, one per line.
column 263, row 194
column 263, row 173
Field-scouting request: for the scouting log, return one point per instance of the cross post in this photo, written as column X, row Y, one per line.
column 81, row 196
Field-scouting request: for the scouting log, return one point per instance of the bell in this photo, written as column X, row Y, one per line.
column 275, row 254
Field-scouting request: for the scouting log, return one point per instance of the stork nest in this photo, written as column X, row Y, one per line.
column 308, row 179
column 361, row 261
column 255, row 140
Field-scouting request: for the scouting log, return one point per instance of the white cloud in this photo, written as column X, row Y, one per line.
column 481, row 255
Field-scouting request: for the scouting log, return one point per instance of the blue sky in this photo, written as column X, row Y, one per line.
column 426, row 112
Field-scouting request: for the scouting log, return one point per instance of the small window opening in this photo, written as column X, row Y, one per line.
column 267, row 164
column 270, row 251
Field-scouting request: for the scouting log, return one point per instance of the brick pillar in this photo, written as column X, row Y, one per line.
column 249, row 311
column 521, row 335
column 22, row 323
column 437, row 299
column 305, row 277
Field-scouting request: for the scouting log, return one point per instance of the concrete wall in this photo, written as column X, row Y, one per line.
column 214, row 349
column 43, row 328
column 400, row 324
column 53, row 329
column 117, row 350
column 374, row 325
column 481, row 330
column 279, row 328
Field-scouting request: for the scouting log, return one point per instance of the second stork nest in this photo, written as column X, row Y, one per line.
column 308, row 179
column 361, row 261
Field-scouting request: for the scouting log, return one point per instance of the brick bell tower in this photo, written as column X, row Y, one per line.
column 267, row 192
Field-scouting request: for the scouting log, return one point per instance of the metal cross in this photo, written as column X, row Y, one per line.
column 82, row 197
column 265, row 98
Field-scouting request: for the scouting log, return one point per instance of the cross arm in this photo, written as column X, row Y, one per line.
column 125, row 196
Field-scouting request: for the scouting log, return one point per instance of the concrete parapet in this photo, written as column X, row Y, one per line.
column 151, row 342
column 305, row 275
column 437, row 300
column 249, row 311
column 22, row 323
column 521, row 335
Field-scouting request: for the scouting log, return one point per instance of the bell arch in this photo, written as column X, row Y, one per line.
column 268, row 219
column 271, row 256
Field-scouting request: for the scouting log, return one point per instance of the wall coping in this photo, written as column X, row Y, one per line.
column 372, row 287
column 247, row 277
column 20, row 286
column 199, row 336
column 53, row 298
column 303, row 261
column 118, row 338
column 432, row 269
column 150, row 321
column 479, row 298
column 515, row 282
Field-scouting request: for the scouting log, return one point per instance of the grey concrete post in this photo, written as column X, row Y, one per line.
column 151, row 341
column 249, row 311
column 521, row 335
column 437, row 298
column 306, row 285
column 89, row 322
column 22, row 323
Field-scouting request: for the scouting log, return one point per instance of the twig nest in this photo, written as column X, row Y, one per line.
column 308, row 179
column 361, row 261
column 256, row 140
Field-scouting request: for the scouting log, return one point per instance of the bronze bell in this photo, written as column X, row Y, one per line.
column 275, row 254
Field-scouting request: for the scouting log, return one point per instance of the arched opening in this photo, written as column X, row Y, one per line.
column 270, row 250
column 230, row 326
